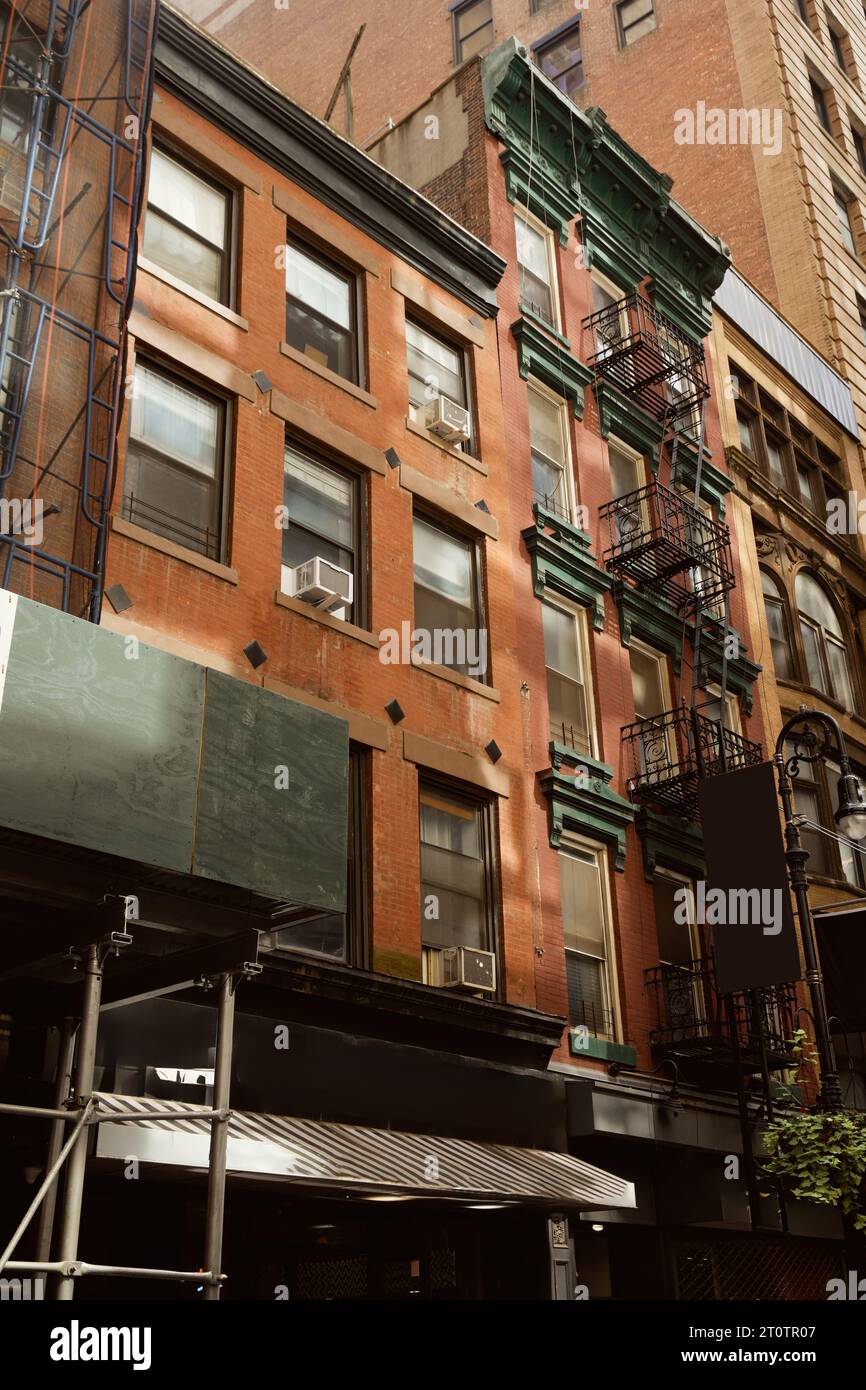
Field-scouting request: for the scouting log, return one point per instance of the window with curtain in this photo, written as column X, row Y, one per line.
column 454, row 870
column 584, row 920
column 776, row 610
column 548, row 440
column 173, row 474
column 828, row 667
column 568, row 697
column 187, row 225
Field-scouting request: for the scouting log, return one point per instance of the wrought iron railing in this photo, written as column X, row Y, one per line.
column 174, row 528
column 692, row 1019
column 664, row 543
column 667, row 756
column 648, row 357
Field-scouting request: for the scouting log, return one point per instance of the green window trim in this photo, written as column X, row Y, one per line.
column 621, row 417
column 591, row 809
column 551, row 362
column 563, row 563
column 650, row 619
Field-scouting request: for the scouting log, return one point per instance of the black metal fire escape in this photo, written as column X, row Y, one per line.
column 660, row 541
column 70, row 194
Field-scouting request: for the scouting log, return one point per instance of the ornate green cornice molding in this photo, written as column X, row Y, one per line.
column 563, row 563
column 651, row 619
column 619, row 416
column 630, row 226
column 581, row 800
column 669, row 843
column 544, row 357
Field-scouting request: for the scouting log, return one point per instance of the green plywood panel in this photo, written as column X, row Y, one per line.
column 99, row 737
column 285, row 842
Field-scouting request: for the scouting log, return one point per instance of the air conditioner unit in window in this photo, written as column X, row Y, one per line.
column 448, row 419
column 460, row 967
column 320, row 584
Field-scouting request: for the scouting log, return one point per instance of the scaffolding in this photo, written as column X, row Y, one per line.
column 662, row 539
column 75, row 92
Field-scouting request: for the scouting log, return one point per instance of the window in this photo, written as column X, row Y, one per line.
column 836, row 45
column 859, row 140
column 551, row 464
column 800, row 6
column 173, row 482
column 649, row 683
column 473, row 28
column 585, row 929
column 747, row 436
column 447, row 600
column 436, row 368
column 861, row 311
column 627, row 475
column 678, row 939
column 776, row 610
column 456, row 869
column 339, row 935
column 560, row 58
column 634, row 18
column 322, row 311
column 844, row 204
column 826, row 655
column 791, row 456
column 322, row 518
column 822, row 109
column 851, row 859
column 809, row 802
column 187, row 226
column 711, row 708
column 776, row 458
column 841, row 46
column 536, row 260
column 569, row 696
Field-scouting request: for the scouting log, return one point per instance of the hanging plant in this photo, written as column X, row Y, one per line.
column 821, row 1157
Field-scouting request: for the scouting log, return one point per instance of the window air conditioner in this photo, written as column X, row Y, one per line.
column 320, row 584
column 449, row 420
column 460, row 967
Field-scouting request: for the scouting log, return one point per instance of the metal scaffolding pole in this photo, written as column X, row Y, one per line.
column 216, row 1187
column 70, row 1218
column 63, row 1080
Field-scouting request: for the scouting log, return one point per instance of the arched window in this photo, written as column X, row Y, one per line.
column 828, row 667
column 777, row 622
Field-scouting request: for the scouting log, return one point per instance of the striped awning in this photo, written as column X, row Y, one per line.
column 355, row 1160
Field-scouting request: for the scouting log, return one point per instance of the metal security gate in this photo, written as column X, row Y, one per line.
column 754, row 1268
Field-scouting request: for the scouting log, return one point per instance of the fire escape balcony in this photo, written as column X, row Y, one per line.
column 668, row 755
column 693, row 1021
column 648, row 358
column 662, row 542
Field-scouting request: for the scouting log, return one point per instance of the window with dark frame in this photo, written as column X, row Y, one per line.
column 448, row 594
column 634, row 19
column 324, row 517
column 840, row 44
column 776, row 609
column 174, row 473
column 457, row 869
column 791, row 456
column 800, row 7
column 845, row 202
column 825, row 647
column 584, row 922
column 560, row 58
column 859, row 140
column 473, row 28
column 436, row 367
column 339, row 936
column 188, row 225
column 822, row 108
column 322, row 311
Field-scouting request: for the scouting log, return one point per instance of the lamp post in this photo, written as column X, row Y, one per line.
column 816, row 736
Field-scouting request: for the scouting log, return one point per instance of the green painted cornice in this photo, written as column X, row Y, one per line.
column 570, row 161
column 669, row 843
column 626, row 420
column 741, row 673
column 585, row 804
column 563, row 563
column 549, row 359
column 651, row 619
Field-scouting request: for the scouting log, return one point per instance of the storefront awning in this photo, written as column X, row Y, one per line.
column 352, row 1159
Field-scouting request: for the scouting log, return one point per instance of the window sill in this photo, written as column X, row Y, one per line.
column 175, row 552
column 151, row 268
column 306, row 610
column 457, row 678
column 423, row 433
column 327, row 375
column 550, row 329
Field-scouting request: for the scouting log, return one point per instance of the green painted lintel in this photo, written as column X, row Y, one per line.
column 544, row 357
column 563, row 563
column 619, row 416
column 588, row 806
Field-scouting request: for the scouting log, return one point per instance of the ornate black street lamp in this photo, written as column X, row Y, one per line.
column 816, row 736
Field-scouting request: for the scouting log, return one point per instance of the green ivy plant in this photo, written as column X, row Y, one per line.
column 819, row 1155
